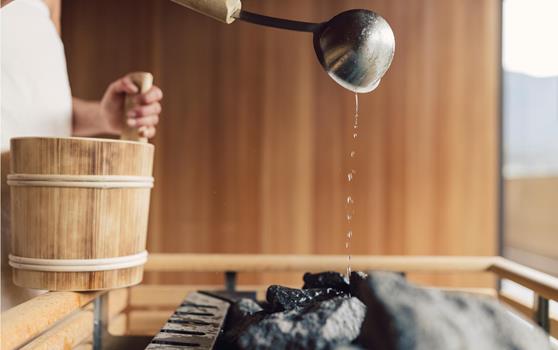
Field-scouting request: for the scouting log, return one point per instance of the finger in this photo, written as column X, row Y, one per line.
column 152, row 95
column 123, row 85
column 150, row 120
column 147, row 131
column 142, row 111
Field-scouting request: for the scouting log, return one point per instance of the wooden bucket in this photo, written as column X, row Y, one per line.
column 80, row 209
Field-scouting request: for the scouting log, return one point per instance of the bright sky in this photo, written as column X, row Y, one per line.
column 530, row 37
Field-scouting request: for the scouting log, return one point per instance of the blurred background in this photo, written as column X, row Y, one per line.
column 530, row 133
column 457, row 152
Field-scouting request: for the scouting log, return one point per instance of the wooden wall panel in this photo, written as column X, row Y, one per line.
column 530, row 221
column 252, row 151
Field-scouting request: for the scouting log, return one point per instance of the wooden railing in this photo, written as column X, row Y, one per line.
column 58, row 320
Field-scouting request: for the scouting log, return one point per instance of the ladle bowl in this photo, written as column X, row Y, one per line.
column 355, row 47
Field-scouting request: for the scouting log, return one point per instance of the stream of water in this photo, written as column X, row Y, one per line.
column 350, row 204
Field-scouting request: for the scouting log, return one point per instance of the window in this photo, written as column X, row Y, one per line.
column 530, row 133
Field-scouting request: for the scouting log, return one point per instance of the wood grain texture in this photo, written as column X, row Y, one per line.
column 66, row 335
column 27, row 320
column 252, row 149
column 79, row 223
column 221, row 10
column 530, row 221
column 144, row 82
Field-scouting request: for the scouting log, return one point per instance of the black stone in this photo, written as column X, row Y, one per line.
column 283, row 298
column 401, row 316
column 234, row 330
column 356, row 278
column 328, row 279
column 241, row 310
column 322, row 325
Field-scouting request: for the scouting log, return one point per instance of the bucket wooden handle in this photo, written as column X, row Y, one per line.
column 144, row 82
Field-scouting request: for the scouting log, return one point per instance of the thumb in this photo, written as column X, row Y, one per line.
column 123, row 85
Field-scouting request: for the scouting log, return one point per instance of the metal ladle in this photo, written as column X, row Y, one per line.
column 355, row 47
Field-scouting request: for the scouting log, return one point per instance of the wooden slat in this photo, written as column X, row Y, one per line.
column 27, row 320
column 300, row 263
column 147, row 322
column 118, row 325
column 531, row 225
column 84, row 346
column 65, row 335
column 160, row 296
column 118, row 300
column 541, row 283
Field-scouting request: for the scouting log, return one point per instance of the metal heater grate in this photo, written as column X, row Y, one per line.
column 195, row 324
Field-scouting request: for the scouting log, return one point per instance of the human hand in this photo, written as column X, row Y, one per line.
column 144, row 114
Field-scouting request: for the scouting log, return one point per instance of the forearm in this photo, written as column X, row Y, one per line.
column 86, row 119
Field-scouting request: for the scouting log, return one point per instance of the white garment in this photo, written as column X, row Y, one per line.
column 35, row 100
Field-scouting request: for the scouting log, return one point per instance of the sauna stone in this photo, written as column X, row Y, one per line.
column 402, row 316
column 320, row 325
column 283, row 298
column 241, row 310
column 234, row 328
column 328, row 279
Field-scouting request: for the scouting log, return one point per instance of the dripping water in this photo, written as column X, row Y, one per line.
column 350, row 203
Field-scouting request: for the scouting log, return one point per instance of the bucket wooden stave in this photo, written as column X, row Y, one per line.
column 79, row 199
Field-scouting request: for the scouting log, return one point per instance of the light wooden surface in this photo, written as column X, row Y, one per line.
column 144, row 82
column 314, row 263
column 221, row 10
column 27, row 320
column 66, row 335
column 79, row 223
column 531, row 222
column 541, row 283
column 253, row 144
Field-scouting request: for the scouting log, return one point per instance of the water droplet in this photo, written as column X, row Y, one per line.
column 353, row 154
column 350, row 177
column 346, row 245
column 350, row 200
column 355, row 135
column 349, row 217
column 349, row 234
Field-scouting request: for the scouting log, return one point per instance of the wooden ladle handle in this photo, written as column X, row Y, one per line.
column 144, row 82
column 221, row 10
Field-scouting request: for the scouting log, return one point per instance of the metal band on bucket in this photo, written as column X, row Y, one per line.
column 78, row 265
column 84, row 181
